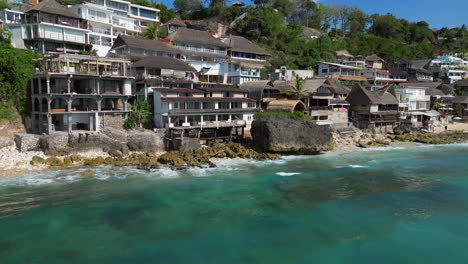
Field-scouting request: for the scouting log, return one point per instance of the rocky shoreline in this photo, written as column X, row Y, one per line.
column 13, row 162
column 35, row 160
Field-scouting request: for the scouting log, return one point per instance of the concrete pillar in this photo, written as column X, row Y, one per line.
column 186, row 119
column 146, row 92
column 68, row 83
column 49, row 101
column 216, row 118
column 69, row 117
column 125, row 104
column 96, row 120
column 91, row 122
column 99, row 104
column 40, row 85
column 69, row 103
column 49, row 123
column 98, row 86
column 48, row 84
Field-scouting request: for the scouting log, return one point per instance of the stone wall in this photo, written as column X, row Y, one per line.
column 27, row 142
column 339, row 118
column 110, row 140
column 111, row 120
column 286, row 135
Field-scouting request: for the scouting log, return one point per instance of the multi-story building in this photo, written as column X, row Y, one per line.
column 381, row 77
column 50, row 27
column 287, row 75
column 174, row 24
column 161, row 72
column 246, row 60
column 340, row 72
column 203, row 115
column 326, row 102
column 129, row 46
column 77, row 92
column 417, row 70
column 110, row 18
column 374, row 62
column 207, row 105
column 372, row 109
column 204, row 52
column 450, row 69
column 345, row 58
column 413, row 102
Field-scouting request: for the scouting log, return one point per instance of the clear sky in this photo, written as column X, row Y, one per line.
column 438, row 13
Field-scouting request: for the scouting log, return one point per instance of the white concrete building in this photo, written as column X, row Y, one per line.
column 111, row 18
column 49, row 27
column 413, row 103
column 246, row 60
column 449, row 68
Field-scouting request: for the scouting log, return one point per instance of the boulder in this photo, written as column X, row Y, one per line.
column 55, row 144
column 145, row 141
column 286, row 135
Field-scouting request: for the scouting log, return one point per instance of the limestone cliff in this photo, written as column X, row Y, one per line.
column 286, row 135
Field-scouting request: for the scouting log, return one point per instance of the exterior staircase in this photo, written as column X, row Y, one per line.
column 345, row 129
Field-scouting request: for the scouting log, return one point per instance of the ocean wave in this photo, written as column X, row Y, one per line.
column 358, row 166
column 288, row 174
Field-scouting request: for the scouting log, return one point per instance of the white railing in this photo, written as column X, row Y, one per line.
column 205, row 50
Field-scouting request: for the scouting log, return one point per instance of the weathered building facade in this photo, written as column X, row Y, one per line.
column 76, row 92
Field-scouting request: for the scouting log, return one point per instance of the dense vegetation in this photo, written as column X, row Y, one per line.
column 277, row 26
column 296, row 115
column 16, row 69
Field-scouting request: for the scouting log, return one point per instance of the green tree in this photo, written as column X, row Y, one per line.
column 140, row 115
column 187, row 6
column 459, row 110
column 154, row 31
column 165, row 14
column 297, row 89
column 357, row 21
column 4, row 4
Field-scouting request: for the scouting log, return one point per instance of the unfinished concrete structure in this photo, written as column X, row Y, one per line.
column 76, row 92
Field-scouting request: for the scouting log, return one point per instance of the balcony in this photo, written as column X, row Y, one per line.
column 203, row 50
column 215, row 124
column 317, row 108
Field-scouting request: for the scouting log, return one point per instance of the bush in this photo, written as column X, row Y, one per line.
column 130, row 123
column 280, row 114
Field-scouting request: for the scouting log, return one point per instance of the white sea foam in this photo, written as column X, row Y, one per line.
column 358, row 166
column 288, row 174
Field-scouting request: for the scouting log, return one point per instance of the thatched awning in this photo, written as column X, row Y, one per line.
column 286, row 106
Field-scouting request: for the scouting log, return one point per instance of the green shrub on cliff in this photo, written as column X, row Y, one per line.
column 16, row 69
column 280, row 114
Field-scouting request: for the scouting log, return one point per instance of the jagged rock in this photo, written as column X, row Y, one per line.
column 116, row 134
column 291, row 136
column 55, row 144
column 36, row 160
column 145, row 141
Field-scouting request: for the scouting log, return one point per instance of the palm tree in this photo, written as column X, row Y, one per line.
column 154, row 32
column 297, row 90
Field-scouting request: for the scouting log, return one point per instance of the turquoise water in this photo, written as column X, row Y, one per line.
column 397, row 205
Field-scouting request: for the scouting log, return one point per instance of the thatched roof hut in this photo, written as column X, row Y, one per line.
column 286, row 106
